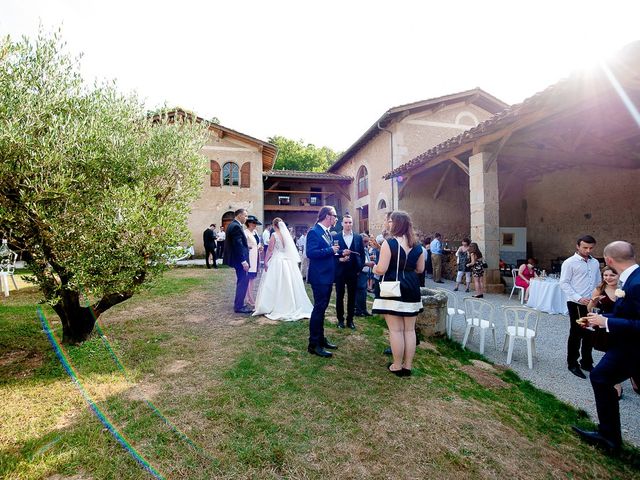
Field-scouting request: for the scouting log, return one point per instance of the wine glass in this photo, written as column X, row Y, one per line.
column 597, row 311
column 337, row 244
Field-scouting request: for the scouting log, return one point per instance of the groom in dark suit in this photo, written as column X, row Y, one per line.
column 321, row 251
column 622, row 359
column 348, row 265
column 236, row 255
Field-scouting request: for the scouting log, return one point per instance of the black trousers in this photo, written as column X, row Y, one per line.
column 351, row 283
column 220, row 251
column 321, row 296
column 618, row 364
column 210, row 250
column 580, row 344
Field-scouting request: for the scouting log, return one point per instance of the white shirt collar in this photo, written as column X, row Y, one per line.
column 628, row 271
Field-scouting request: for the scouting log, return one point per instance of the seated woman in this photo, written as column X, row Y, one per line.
column 525, row 273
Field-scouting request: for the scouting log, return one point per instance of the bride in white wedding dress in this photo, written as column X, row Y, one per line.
column 281, row 295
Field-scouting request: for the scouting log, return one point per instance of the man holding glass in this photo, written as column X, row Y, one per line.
column 321, row 252
column 579, row 275
column 622, row 359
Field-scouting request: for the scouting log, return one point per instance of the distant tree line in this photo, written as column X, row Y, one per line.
column 296, row 155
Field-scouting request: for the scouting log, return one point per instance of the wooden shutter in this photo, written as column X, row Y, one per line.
column 215, row 173
column 245, row 175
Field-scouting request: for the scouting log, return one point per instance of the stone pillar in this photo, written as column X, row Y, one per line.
column 485, row 218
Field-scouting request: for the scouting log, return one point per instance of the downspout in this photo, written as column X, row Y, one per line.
column 393, row 207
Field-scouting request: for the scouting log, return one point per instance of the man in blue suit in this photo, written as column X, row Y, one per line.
column 349, row 264
column 236, row 255
column 320, row 251
column 622, row 360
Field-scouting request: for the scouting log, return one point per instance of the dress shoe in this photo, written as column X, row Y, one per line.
column 577, row 372
column 596, row 439
column 588, row 368
column 397, row 373
column 439, row 281
column 328, row 344
column 478, row 296
column 340, row 324
column 245, row 310
column 351, row 325
column 318, row 350
column 455, row 289
column 466, row 291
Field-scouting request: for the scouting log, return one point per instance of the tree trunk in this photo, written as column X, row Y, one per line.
column 77, row 321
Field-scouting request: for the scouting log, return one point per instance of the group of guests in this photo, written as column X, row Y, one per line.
column 604, row 313
column 607, row 298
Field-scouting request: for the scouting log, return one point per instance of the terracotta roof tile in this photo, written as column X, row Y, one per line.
column 306, row 175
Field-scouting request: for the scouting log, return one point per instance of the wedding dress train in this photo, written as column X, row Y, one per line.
column 281, row 295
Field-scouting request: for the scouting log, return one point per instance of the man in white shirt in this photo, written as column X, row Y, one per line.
column 266, row 236
column 622, row 359
column 579, row 275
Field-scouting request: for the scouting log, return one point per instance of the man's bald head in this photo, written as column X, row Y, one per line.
column 620, row 251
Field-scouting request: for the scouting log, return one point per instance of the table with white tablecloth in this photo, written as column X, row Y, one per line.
column 547, row 296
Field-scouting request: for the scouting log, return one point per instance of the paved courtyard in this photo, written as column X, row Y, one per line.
column 550, row 367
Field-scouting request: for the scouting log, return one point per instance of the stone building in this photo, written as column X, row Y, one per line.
column 237, row 162
column 398, row 136
column 562, row 163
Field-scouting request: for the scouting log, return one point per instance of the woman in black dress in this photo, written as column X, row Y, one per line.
column 402, row 259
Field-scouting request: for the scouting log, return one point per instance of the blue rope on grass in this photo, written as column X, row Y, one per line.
column 57, row 348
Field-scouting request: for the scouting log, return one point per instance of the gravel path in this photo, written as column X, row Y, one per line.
column 550, row 367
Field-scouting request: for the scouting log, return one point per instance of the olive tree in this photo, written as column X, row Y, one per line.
column 94, row 192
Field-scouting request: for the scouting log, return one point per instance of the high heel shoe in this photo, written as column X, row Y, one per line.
column 406, row 372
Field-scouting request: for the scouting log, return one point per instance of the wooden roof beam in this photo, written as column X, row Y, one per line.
column 460, row 164
column 436, row 194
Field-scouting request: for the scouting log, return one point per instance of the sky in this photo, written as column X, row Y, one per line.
column 324, row 72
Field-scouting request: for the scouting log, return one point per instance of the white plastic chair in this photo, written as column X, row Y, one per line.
column 520, row 322
column 452, row 308
column 479, row 314
column 514, row 274
column 6, row 271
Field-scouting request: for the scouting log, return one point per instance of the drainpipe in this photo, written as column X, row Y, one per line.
column 393, row 197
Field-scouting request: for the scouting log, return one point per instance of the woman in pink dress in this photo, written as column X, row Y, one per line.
column 525, row 273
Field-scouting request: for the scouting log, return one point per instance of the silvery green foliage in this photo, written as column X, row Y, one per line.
column 92, row 189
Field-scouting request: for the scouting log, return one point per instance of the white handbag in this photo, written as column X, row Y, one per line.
column 391, row 289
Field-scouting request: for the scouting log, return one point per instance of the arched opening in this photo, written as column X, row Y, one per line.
column 382, row 204
column 363, row 181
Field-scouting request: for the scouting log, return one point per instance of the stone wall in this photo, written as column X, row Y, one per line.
column 566, row 204
column 214, row 202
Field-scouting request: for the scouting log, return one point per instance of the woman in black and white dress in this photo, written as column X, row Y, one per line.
column 402, row 259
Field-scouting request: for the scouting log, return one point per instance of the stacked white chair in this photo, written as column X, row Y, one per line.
column 479, row 314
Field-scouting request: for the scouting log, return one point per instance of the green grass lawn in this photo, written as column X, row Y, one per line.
column 205, row 393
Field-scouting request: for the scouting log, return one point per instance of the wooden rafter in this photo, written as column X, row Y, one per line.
column 436, row 194
column 403, row 186
column 343, row 192
column 273, row 186
column 495, row 154
column 460, row 164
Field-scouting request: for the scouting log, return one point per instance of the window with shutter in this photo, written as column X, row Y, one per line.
column 230, row 174
column 215, row 173
column 245, row 175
